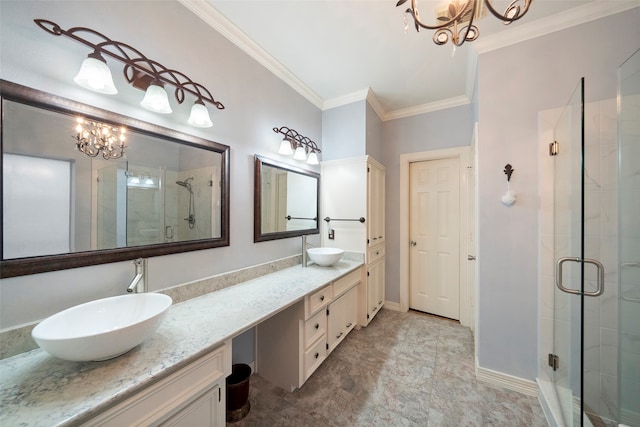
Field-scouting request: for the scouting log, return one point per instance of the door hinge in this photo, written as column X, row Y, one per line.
column 554, row 361
column 368, row 274
column 327, row 346
column 219, row 394
column 327, row 311
column 553, row 148
column 367, row 316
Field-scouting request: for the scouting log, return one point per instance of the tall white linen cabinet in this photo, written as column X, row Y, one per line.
column 353, row 199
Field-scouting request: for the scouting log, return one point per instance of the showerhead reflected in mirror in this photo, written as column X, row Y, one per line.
column 285, row 201
column 167, row 194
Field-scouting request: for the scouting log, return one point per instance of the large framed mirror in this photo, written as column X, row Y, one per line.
column 62, row 208
column 286, row 201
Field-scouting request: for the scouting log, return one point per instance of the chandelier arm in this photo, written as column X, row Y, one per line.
column 415, row 14
column 120, row 53
column 513, row 5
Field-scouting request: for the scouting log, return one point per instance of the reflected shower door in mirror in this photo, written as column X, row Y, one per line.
column 285, row 202
column 168, row 193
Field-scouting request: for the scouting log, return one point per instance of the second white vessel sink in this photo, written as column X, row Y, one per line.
column 102, row 329
column 325, row 257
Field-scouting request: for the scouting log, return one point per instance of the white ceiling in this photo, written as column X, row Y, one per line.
column 336, row 52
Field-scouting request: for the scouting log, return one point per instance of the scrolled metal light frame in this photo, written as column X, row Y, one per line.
column 458, row 30
column 138, row 68
column 297, row 140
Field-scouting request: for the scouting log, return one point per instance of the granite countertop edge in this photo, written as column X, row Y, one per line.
column 39, row 389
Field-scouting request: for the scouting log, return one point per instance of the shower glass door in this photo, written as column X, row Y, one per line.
column 568, row 243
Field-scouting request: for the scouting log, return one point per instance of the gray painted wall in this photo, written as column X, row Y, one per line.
column 433, row 131
column 343, row 131
column 374, row 134
column 515, row 83
column 255, row 101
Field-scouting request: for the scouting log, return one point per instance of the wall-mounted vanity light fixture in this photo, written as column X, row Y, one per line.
column 508, row 198
column 93, row 138
column 300, row 146
column 141, row 72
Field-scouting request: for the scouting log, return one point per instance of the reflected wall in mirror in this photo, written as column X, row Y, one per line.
column 286, row 200
column 63, row 209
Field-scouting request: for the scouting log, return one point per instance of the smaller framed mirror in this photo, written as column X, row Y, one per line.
column 286, row 201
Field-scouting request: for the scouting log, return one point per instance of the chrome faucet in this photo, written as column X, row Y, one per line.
column 139, row 279
column 305, row 244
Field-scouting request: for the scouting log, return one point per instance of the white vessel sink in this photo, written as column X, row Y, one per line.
column 325, row 256
column 102, row 329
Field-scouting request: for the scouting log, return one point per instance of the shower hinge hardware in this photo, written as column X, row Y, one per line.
column 553, row 148
column 554, row 361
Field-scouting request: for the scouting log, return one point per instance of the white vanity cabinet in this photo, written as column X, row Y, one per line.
column 192, row 396
column 354, row 188
column 293, row 343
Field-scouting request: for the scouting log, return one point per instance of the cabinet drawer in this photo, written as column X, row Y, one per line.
column 314, row 328
column 374, row 254
column 314, row 357
column 346, row 282
column 317, row 300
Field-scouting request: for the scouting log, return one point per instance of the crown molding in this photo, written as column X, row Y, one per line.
column 220, row 23
column 373, row 101
column 563, row 20
column 430, row 107
column 345, row 99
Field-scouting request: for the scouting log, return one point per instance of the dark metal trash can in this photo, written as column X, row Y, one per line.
column 238, row 392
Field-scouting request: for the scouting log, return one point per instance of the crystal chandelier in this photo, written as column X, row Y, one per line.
column 455, row 21
column 93, row 138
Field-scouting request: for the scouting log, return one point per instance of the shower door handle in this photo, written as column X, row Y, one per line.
column 599, row 290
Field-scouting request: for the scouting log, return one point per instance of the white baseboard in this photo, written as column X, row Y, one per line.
column 390, row 305
column 528, row 387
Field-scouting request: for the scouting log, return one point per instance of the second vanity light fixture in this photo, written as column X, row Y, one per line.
column 142, row 72
column 300, row 146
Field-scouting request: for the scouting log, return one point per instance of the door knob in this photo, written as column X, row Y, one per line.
column 413, row 243
column 471, row 257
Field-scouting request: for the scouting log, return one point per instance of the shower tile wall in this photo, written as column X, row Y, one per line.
column 601, row 314
column 629, row 251
column 601, row 241
column 202, row 192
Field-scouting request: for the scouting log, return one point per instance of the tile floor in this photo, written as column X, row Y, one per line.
column 404, row 369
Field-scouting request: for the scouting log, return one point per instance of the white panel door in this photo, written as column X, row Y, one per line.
column 435, row 237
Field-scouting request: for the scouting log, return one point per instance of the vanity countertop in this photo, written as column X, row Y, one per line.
column 38, row 389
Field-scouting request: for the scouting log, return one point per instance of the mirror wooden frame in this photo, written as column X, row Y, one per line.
column 40, row 264
column 258, row 235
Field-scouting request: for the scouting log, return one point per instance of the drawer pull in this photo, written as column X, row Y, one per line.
column 349, row 324
column 317, row 325
column 377, row 252
column 339, row 335
column 379, row 302
column 322, row 298
column 317, row 355
column 379, row 237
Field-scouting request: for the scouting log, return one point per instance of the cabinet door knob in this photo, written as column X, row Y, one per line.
column 377, row 252
column 413, row 243
column 339, row 335
column 317, row 325
column 317, row 355
column 322, row 298
column 349, row 325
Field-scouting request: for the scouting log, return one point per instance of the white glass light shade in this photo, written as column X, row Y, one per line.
column 95, row 75
column 156, row 99
column 313, row 158
column 300, row 154
column 285, row 148
column 199, row 116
